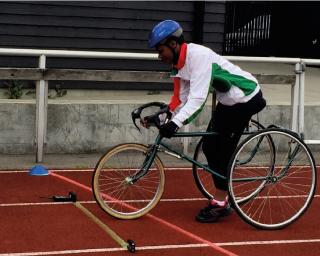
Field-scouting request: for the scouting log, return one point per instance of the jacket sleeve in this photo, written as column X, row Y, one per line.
column 200, row 68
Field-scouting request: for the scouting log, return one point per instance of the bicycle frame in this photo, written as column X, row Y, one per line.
column 291, row 157
column 156, row 147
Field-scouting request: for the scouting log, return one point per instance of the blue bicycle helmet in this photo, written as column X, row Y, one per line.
column 163, row 30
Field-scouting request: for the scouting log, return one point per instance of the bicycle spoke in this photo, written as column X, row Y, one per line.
column 115, row 189
column 289, row 185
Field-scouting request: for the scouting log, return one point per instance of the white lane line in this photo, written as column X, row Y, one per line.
column 162, row 247
column 299, row 241
column 64, row 252
column 91, row 202
column 43, row 203
column 10, row 171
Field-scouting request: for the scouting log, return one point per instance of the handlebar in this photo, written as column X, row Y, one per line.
column 154, row 119
column 151, row 119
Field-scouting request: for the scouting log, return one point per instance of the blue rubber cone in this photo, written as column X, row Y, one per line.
column 38, row 170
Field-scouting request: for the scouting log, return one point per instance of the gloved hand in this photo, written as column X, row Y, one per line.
column 165, row 115
column 167, row 111
column 168, row 129
column 156, row 119
column 145, row 122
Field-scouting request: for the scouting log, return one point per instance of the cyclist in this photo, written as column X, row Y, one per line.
column 197, row 70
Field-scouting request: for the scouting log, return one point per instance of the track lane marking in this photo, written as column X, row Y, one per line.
column 162, row 247
column 176, row 200
column 92, row 202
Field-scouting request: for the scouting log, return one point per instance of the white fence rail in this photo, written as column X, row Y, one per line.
column 297, row 90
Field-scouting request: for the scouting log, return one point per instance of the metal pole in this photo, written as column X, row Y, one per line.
column 298, row 99
column 41, row 111
column 301, row 99
column 295, row 100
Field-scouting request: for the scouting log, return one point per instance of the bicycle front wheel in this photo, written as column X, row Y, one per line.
column 277, row 192
column 114, row 188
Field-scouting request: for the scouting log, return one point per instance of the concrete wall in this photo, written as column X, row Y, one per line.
column 94, row 127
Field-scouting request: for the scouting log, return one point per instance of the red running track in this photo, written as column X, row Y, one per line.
column 30, row 224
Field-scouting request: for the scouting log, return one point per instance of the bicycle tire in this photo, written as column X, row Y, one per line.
column 113, row 189
column 203, row 179
column 290, row 181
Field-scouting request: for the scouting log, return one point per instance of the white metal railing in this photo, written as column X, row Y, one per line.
column 297, row 90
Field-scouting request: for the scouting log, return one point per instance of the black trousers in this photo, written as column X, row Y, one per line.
column 229, row 122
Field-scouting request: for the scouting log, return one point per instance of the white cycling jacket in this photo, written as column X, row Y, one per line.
column 203, row 71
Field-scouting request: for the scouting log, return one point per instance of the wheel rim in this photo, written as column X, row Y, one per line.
column 283, row 189
column 114, row 190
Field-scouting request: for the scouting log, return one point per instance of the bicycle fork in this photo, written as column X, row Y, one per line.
column 150, row 155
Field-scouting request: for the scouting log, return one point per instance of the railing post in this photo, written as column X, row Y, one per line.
column 301, row 99
column 298, row 99
column 295, row 100
column 41, row 111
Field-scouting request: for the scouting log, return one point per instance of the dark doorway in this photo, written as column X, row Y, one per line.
column 282, row 29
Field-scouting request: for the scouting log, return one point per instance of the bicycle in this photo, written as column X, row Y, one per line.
column 271, row 180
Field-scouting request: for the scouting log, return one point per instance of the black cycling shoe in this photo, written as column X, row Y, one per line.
column 212, row 213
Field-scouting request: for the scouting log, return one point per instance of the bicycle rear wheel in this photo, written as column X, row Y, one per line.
column 112, row 184
column 277, row 192
column 203, row 178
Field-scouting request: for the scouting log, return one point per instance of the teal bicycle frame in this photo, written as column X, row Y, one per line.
column 156, row 147
column 160, row 146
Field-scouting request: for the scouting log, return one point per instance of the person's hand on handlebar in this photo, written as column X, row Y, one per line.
column 158, row 119
column 146, row 121
column 167, row 130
